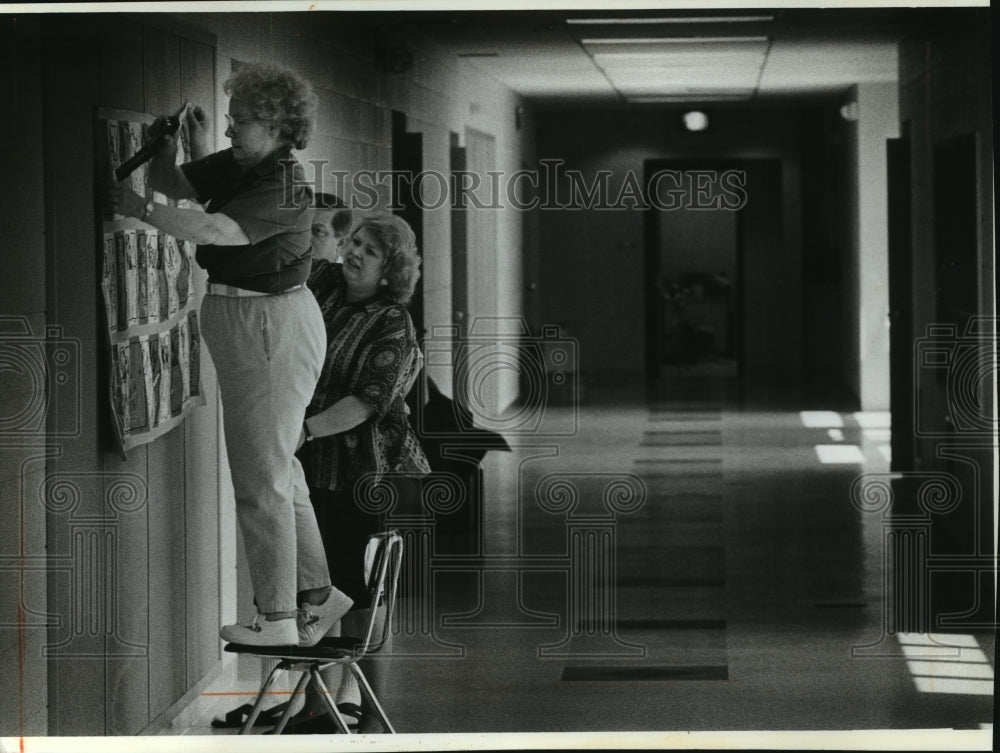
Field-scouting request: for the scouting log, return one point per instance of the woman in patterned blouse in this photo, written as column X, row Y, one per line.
column 357, row 426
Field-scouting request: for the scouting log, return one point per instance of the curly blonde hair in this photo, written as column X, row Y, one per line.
column 402, row 262
column 278, row 94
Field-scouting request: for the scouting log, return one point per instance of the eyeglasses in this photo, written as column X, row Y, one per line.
column 237, row 125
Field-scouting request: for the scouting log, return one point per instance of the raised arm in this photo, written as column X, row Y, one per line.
column 165, row 175
column 182, row 223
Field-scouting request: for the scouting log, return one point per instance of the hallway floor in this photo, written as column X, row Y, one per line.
column 689, row 559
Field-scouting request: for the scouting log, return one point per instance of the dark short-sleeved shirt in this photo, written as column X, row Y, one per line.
column 372, row 353
column 272, row 204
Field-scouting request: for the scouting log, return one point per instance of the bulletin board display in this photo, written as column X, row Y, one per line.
column 147, row 287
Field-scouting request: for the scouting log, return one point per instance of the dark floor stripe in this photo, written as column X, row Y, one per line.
column 646, row 674
column 670, row 438
column 684, row 461
column 681, row 414
column 674, row 417
column 665, row 461
column 641, row 581
column 688, row 499
column 671, row 514
column 692, row 624
column 694, row 437
column 684, row 432
column 682, row 475
column 689, row 551
column 669, row 443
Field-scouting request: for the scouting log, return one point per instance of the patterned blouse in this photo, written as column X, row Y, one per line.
column 372, row 353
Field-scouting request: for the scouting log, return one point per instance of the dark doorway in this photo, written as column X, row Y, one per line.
column 708, row 219
column 956, row 231
column 960, row 394
column 692, row 264
column 900, row 301
column 459, row 244
column 407, row 164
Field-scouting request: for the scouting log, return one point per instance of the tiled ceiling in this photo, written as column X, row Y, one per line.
column 676, row 56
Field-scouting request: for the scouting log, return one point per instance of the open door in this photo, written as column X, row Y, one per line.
column 956, row 375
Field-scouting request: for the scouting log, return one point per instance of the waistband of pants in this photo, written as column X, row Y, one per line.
column 215, row 288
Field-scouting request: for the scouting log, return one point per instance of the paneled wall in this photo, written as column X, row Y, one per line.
column 127, row 567
column 22, row 376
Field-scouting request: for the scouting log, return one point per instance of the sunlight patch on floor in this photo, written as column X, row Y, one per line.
column 944, row 663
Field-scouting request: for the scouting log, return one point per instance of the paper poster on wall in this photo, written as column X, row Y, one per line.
column 147, row 287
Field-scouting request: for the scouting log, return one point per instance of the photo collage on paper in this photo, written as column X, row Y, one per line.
column 147, row 285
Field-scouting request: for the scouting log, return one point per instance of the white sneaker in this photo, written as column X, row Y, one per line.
column 314, row 621
column 262, row 632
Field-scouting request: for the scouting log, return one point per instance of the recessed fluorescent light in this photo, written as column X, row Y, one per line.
column 679, row 20
column 678, row 57
column 479, row 54
column 674, row 40
column 684, row 91
column 685, row 99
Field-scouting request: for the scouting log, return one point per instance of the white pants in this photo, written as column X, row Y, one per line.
column 268, row 352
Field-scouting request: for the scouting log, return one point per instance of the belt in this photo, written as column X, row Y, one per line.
column 215, row 288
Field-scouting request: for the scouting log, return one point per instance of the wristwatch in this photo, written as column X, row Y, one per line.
column 146, row 210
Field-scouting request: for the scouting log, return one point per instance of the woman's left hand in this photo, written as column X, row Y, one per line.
column 121, row 199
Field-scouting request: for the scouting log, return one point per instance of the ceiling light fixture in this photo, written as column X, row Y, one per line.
column 668, row 99
column 695, row 120
column 675, row 40
column 677, row 20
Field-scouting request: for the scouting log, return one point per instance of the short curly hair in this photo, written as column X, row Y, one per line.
column 342, row 217
column 402, row 261
column 278, row 94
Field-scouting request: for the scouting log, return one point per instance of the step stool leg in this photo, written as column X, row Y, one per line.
column 300, row 687
column 366, row 688
column 325, row 695
column 262, row 693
